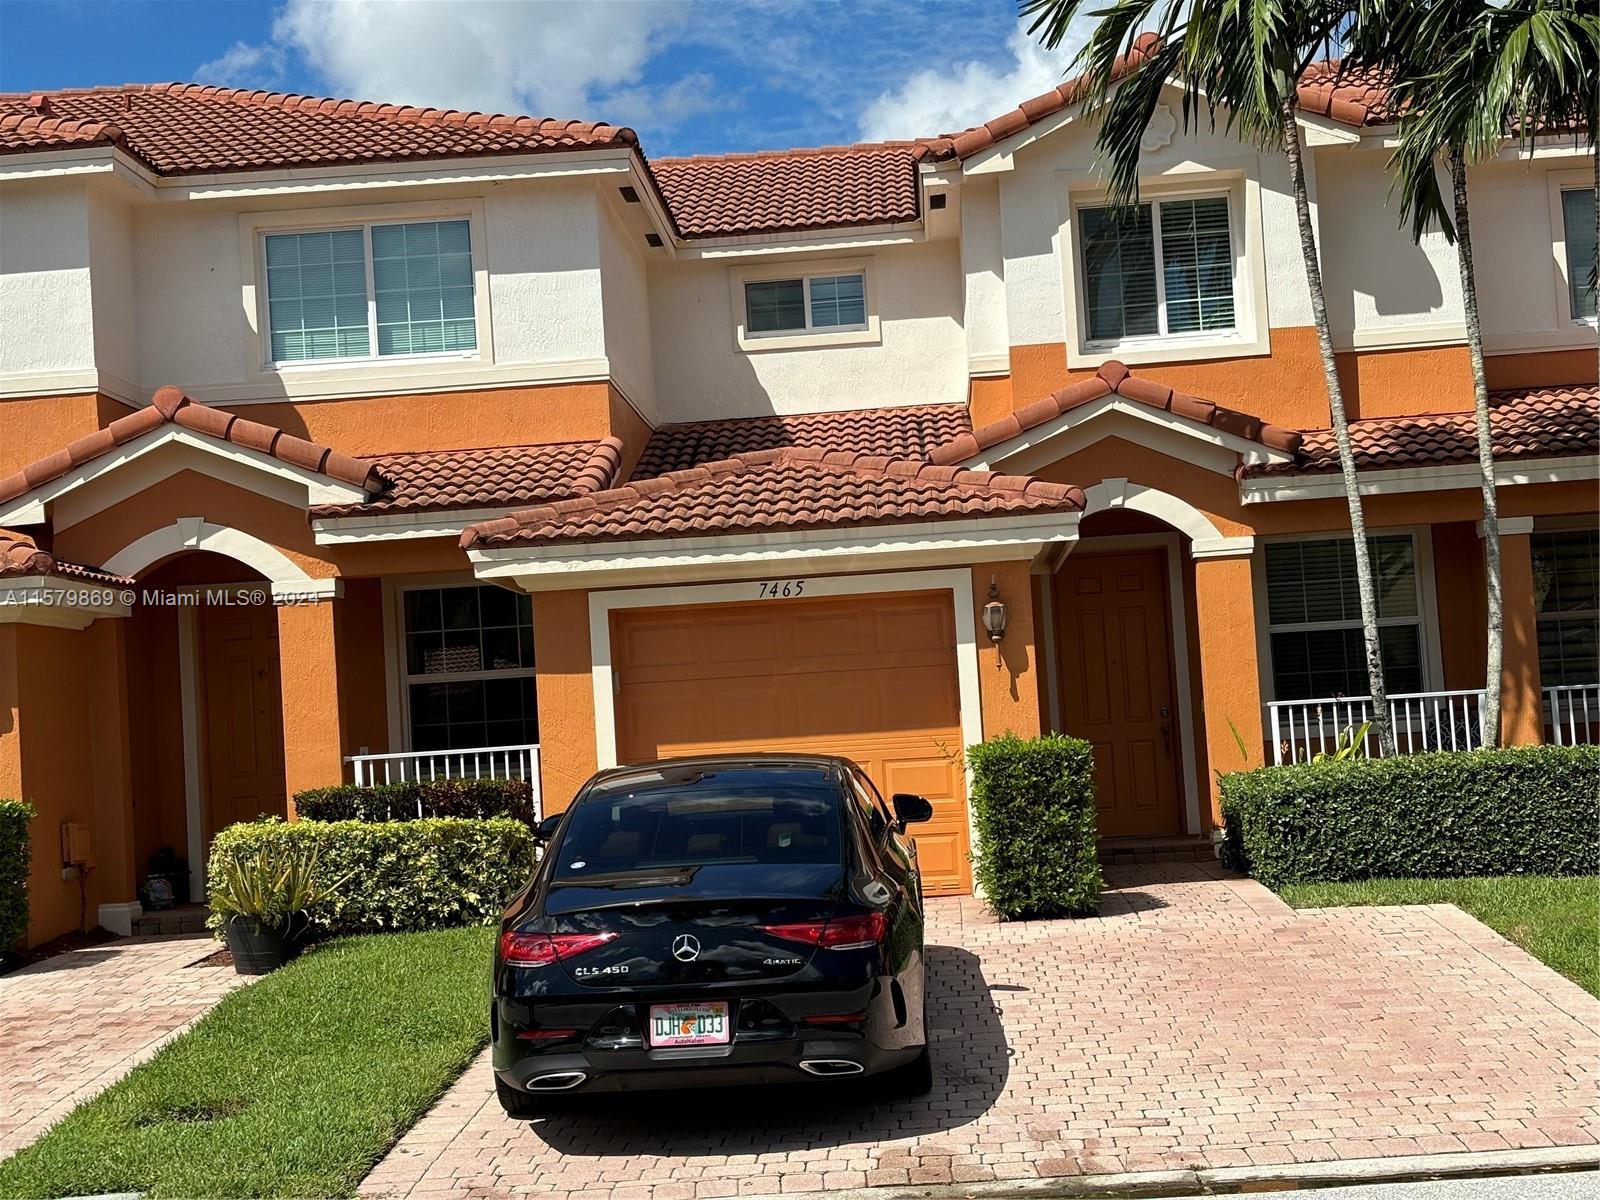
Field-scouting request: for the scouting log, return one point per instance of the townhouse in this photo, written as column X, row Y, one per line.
column 355, row 441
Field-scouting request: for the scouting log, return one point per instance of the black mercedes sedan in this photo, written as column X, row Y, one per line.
column 720, row 920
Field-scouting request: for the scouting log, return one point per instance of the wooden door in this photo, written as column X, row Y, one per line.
column 871, row 678
column 1115, row 639
column 244, row 714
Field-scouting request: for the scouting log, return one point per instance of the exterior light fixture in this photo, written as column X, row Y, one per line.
column 994, row 613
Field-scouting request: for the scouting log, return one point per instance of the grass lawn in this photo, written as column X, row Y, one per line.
column 293, row 1086
column 1555, row 920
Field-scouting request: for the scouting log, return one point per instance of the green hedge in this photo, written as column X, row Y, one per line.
column 402, row 875
column 14, row 861
column 1033, row 805
column 416, row 800
column 1532, row 810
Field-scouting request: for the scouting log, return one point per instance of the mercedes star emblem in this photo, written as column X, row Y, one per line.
column 685, row 947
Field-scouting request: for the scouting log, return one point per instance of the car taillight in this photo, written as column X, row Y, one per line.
column 841, row 933
column 542, row 949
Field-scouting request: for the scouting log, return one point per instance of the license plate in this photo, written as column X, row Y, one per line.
column 689, row 1024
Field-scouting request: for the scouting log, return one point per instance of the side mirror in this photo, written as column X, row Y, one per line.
column 911, row 810
column 546, row 829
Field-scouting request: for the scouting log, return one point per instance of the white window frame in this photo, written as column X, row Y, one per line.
column 1566, row 181
column 397, row 660
column 1426, row 618
column 1249, row 335
column 789, row 339
column 255, row 228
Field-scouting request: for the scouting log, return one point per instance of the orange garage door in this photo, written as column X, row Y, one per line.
column 870, row 677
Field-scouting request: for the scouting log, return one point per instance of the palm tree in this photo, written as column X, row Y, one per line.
column 1243, row 59
column 1468, row 73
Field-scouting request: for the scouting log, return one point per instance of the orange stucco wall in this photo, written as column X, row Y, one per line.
column 1229, row 672
column 313, row 725
column 1521, row 702
column 156, row 718
column 36, row 426
column 1463, row 604
column 566, row 695
column 65, row 751
column 1286, row 386
column 1008, row 674
column 363, row 684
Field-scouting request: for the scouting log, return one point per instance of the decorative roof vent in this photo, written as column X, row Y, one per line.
column 40, row 103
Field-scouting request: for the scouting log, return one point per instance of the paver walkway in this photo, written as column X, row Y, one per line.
column 74, row 1024
column 1199, row 1023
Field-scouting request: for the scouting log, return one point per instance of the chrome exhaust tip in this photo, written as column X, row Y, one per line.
column 830, row 1066
column 556, row 1081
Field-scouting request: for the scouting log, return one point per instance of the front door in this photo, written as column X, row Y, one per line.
column 1116, row 686
column 244, row 714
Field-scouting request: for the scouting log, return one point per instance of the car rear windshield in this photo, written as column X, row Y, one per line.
column 768, row 817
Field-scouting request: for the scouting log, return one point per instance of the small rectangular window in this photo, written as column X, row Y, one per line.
column 1577, row 219
column 379, row 290
column 1566, row 584
column 810, row 303
column 469, row 671
column 1159, row 268
column 1314, row 617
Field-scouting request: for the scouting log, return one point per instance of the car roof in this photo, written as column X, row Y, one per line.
column 675, row 770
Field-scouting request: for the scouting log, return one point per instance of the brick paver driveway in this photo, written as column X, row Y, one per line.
column 73, row 1024
column 1199, row 1023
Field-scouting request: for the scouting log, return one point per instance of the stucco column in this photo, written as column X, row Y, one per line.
column 1008, row 674
column 313, row 727
column 565, row 685
column 1230, row 675
column 1521, row 697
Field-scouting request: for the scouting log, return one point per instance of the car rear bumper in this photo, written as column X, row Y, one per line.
column 807, row 1060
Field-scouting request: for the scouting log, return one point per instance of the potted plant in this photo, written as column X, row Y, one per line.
column 263, row 900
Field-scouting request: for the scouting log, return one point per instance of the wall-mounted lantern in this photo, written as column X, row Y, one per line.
column 994, row 613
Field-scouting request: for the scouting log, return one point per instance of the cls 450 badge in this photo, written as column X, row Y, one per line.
column 617, row 969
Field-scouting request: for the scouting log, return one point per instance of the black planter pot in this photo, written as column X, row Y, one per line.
column 258, row 947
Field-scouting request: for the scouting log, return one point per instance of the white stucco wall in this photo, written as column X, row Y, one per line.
column 1034, row 206
column 625, row 300
column 46, row 304
column 702, row 374
column 1381, row 286
column 116, row 343
column 541, row 249
column 983, row 270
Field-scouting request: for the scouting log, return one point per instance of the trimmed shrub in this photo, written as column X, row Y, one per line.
column 1531, row 810
column 1033, row 805
column 15, row 856
column 419, row 799
column 400, row 875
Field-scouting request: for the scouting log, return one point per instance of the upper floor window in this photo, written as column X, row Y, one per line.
column 376, row 290
column 1577, row 219
column 810, row 302
column 1314, row 617
column 1159, row 269
column 1566, row 584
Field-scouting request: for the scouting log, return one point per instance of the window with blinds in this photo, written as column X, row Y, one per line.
column 1566, row 586
column 1314, row 617
column 469, row 673
column 1577, row 219
column 378, row 290
column 810, row 303
column 1161, row 268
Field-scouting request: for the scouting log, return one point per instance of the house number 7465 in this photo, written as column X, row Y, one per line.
column 782, row 589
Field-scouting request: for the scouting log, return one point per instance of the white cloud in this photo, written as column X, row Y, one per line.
column 244, row 65
column 695, row 95
column 943, row 101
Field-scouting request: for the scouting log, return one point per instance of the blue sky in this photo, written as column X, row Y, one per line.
column 692, row 76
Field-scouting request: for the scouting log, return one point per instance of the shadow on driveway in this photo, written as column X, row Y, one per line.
column 970, row 1063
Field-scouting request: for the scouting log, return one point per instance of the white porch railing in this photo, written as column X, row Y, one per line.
column 1421, row 721
column 486, row 762
column 1572, row 714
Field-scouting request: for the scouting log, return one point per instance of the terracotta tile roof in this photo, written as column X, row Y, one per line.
column 767, row 491
column 171, row 405
column 495, row 477
column 1352, row 96
column 791, row 190
column 20, row 556
column 908, row 432
column 1553, row 422
column 1114, row 377
column 186, row 129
